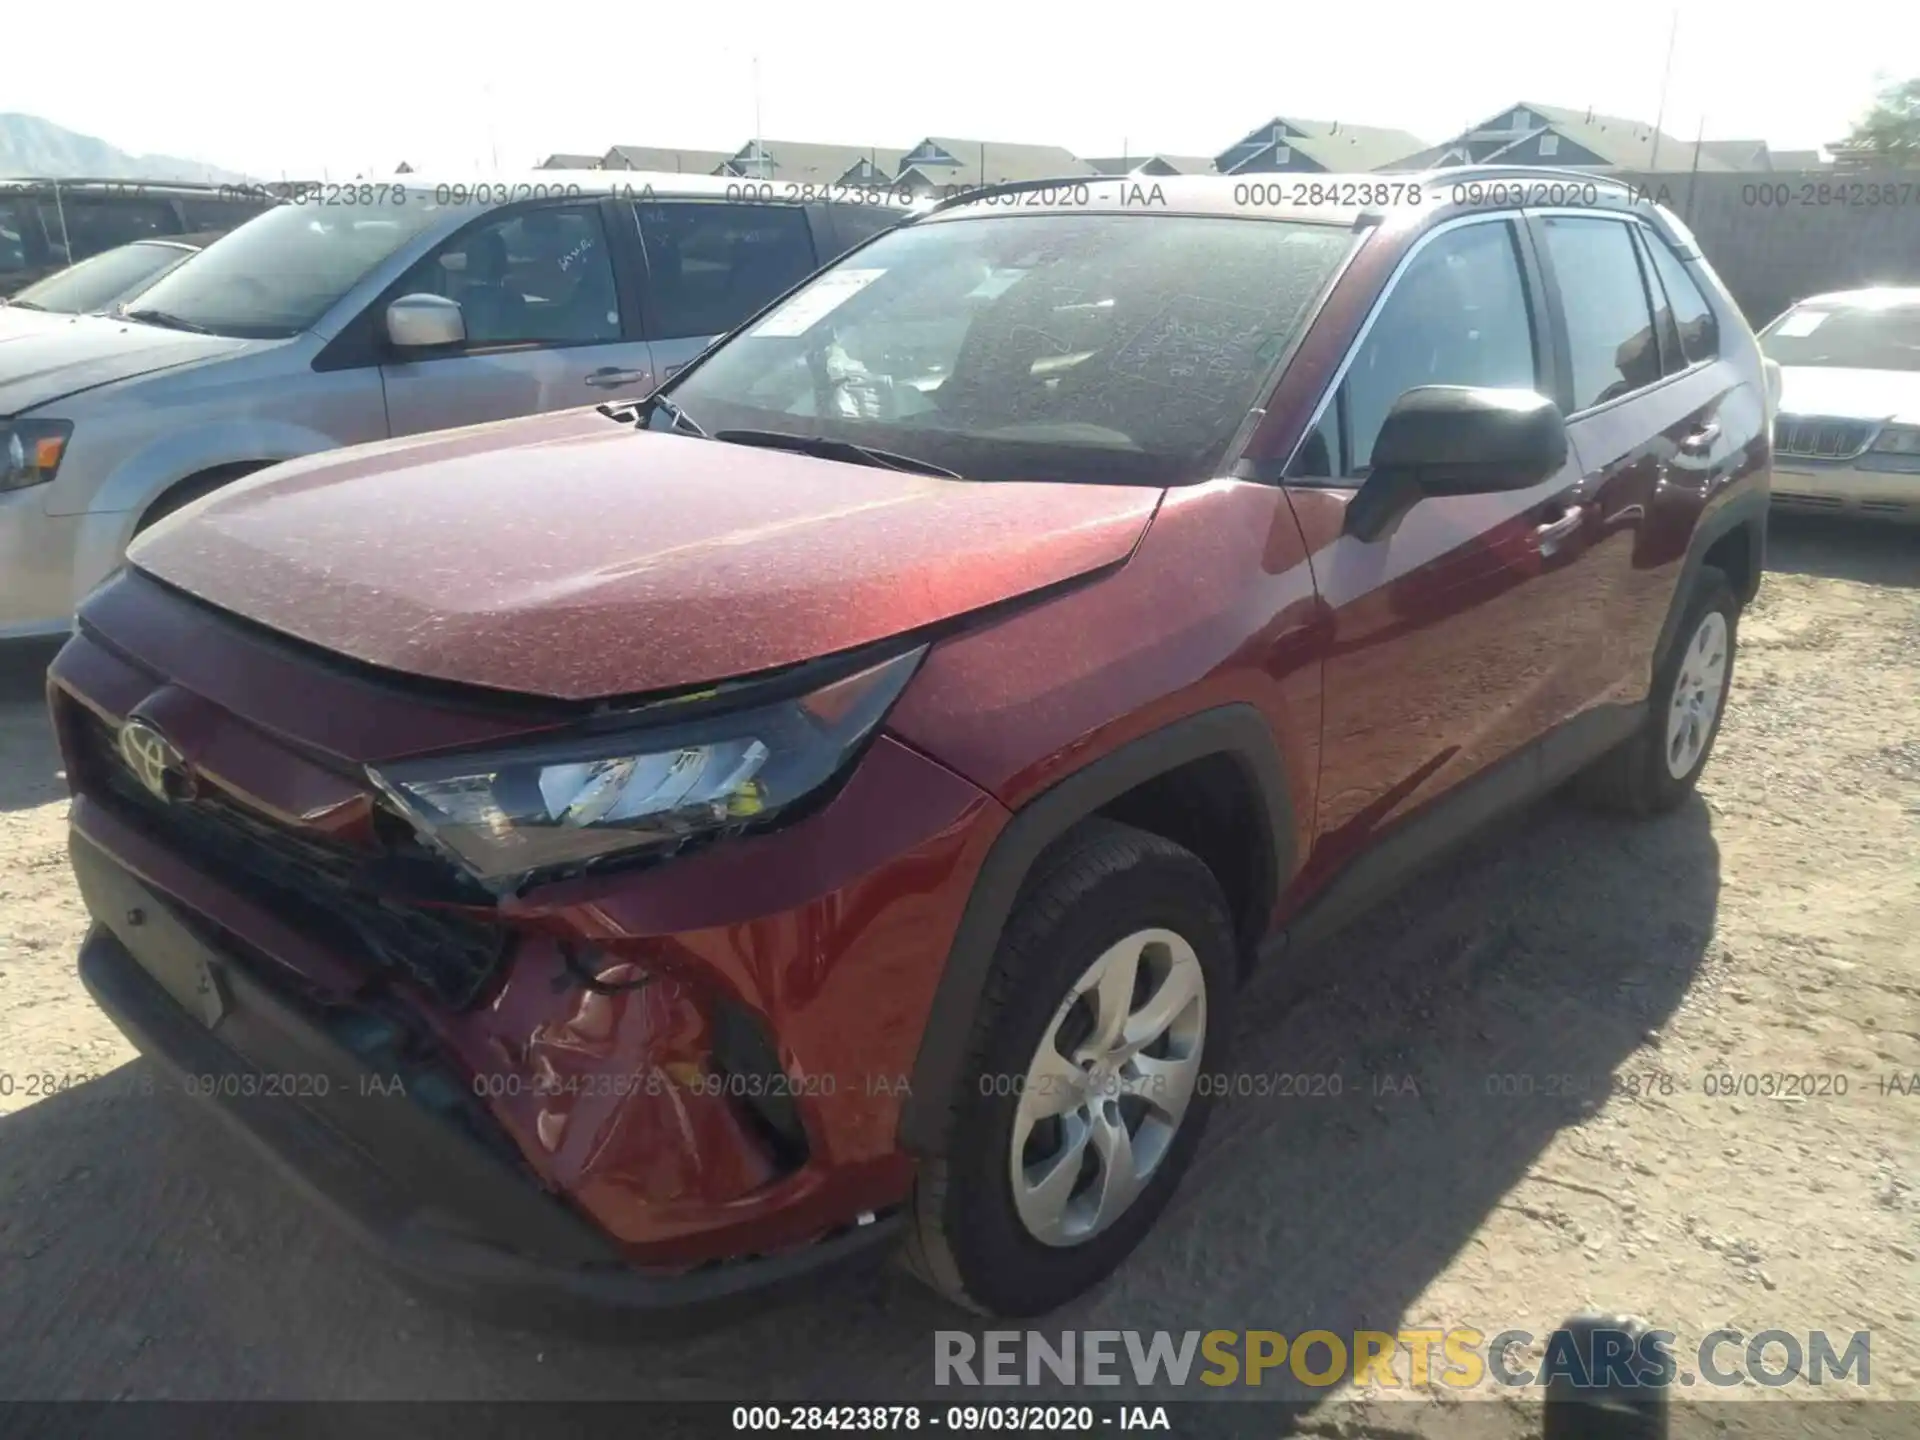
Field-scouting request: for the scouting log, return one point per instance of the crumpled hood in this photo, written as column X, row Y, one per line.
column 44, row 362
column 1850, row 394
column 570, row 556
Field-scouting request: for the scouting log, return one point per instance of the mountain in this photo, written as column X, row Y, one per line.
column 32, row 146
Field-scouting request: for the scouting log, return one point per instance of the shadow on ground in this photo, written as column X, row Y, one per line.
column 144, row 1252
column 31, row 774
column 1873, row 554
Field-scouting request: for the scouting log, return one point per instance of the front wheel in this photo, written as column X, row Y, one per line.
column 1659, row 765
column 1101, row 1036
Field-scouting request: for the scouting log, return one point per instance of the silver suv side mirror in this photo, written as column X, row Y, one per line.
column 419, row 322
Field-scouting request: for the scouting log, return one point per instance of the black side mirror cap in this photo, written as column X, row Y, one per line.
column 1456, row 440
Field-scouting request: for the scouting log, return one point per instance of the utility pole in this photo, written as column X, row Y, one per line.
column 1666, row 79
column 1693, row 179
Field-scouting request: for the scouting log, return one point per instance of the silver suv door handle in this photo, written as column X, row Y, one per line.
column 609, row 378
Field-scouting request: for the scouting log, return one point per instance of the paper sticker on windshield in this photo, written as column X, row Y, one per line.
column 821, row 298
column 1802, row 322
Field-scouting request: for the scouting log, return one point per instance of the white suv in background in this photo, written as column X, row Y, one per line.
column 1847, row 437
column 366, row 311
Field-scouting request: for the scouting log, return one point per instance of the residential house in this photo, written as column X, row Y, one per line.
column 803, row 162
column 1795, row 160
column 670, row 162
column 1551, row 135
column 940, row 161
column 1738, row 154
column 1288, row 144
column 1151, row 164
column 564, row 161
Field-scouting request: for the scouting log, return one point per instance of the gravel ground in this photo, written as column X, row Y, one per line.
column 1498, row 1156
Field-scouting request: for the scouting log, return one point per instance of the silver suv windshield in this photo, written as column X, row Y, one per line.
column 1100, row 347
column 281, row 271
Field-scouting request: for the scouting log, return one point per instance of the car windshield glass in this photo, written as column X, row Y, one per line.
column 1100, row 347
column 96, row 283
column 1850, row 337
column 281, row 271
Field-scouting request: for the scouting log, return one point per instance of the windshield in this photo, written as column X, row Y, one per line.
column 281, row 271
column 1850, row 337
column 1101, row 347
column 96, row 283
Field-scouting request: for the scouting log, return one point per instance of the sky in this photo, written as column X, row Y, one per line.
column 354, row 86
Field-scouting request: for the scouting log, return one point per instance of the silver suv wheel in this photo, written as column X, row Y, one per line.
column 1108, row 1087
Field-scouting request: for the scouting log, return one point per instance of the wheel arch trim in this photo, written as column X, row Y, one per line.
column 1748, row 508
column 1237, row 730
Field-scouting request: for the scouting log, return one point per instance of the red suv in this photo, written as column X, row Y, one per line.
column 652, row 854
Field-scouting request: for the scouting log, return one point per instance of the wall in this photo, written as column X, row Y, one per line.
column 1777, row 237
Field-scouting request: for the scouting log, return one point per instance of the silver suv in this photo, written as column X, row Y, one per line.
column 367, row 311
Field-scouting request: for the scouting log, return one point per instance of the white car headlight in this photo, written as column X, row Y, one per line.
column 1898, row 440
column 507, row 815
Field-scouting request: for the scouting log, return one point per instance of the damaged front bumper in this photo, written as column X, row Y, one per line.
column 395, row 1163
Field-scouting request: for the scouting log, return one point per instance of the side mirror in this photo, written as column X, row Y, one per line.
column 1455, row 440
column 424, row 322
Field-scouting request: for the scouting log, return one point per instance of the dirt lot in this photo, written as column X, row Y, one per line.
column 1480, row 1167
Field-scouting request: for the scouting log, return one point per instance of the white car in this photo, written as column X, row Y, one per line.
column 1847, row 437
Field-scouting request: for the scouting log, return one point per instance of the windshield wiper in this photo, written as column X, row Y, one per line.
column 628, row 412
column 679, row 418
column 163, row 318
column 828, row 449
column 22, row 304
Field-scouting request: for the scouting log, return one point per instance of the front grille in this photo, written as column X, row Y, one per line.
column 1814, row 437
column 347, row 899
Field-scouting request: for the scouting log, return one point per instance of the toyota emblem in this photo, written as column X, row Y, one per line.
column 152, row 757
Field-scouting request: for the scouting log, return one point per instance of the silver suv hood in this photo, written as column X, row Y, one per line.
column 40, row 364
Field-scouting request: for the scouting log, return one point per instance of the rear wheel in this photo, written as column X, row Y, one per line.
column 1658, row 767
column 1088, row 1078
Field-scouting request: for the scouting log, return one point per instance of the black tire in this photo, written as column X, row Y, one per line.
column 1096, row 885
column 1634, row 778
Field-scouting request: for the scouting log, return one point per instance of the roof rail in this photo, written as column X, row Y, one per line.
column 1013, row 187
column 123, row 182
column 1540, row 172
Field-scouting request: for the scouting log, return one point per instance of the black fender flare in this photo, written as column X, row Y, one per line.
column 1749, row 508
column 1237, row 730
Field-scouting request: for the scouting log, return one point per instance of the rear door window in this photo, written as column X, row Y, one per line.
column 1688, row 328
column 710, row 265
column 854, row 223
column 1610, row 338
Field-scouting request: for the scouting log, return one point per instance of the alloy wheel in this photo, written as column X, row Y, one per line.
column 1696, row 694
column 1108, row 1087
